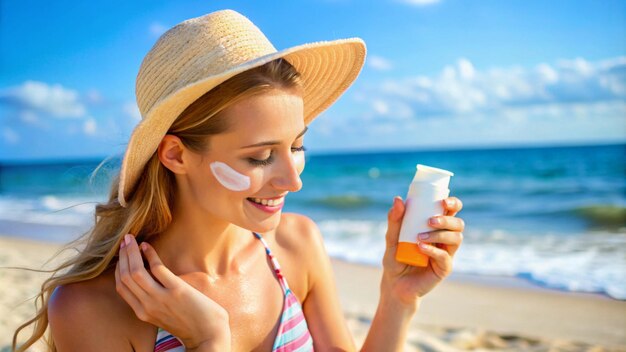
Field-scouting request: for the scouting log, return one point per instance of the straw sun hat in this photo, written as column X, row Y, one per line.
column 196, row 55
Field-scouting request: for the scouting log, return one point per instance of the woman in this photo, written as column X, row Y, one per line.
column 199, row 197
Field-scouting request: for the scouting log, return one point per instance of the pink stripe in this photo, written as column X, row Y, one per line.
column 291, row 300
column 291, row 323
column 295, row 344
column 166, row 345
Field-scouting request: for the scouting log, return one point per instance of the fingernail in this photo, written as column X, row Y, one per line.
column 423, row 236
column 122, row 244
column 435, row 221
column 450, row 202
column 127, row 239
column 423, row 245
column 144, row 246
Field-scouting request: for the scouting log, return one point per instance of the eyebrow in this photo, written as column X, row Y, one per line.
column 260, row 144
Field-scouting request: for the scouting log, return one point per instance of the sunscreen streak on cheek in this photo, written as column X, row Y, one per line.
column 298, row 160
column 229, row 178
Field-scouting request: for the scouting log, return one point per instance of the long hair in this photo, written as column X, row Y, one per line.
column 149, row 209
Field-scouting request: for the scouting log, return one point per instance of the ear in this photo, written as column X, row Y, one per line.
column 170, row 152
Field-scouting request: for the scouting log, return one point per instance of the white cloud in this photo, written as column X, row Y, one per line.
column 391, row 109
column 10, row 136
column 568, row 101
column 131, row 110
column 156, row 29
column 462, row 89
column 55, row 100
column 420, row 2
column 93, row 96
column 380, row 107
column 379, row 63
column 547, row 73
column 90, row 126
column 466, row 69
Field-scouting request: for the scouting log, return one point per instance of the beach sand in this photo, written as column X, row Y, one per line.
column 463, row 313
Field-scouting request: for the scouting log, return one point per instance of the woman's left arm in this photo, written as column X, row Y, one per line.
column 403, row 286
column 323, row 312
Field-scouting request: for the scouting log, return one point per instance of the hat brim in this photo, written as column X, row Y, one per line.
column 327, row 69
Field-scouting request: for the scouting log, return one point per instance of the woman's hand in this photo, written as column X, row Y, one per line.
column 169, row 303
column 407, row 283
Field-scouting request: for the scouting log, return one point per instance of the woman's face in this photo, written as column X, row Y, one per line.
column 248, row 170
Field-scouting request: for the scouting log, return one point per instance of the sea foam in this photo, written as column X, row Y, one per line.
column 591, row 262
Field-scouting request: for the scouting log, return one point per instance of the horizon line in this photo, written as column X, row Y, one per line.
column 347, row 151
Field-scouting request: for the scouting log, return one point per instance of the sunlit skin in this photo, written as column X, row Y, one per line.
column 204, row 206
column 214, row 286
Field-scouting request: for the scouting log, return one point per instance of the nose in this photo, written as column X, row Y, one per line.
column 287, row 176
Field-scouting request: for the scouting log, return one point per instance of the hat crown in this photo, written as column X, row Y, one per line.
column 195, row 49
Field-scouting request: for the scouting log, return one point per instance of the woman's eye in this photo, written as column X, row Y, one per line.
column 270, row 158
column 261, row 162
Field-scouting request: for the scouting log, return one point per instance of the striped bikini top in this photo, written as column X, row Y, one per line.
column 293, row 332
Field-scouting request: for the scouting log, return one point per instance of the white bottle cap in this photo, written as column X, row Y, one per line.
column 432, row 175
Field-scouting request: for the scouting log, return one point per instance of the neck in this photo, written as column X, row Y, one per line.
column 195, row 242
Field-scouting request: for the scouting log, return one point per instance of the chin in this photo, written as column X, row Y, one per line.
column 266, row 225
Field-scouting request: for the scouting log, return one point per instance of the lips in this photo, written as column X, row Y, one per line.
column 269, row 205
column 272, row 202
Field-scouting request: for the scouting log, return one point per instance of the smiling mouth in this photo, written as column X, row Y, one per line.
column 268, row 202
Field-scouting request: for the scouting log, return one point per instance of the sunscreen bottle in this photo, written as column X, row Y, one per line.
column 423, row 201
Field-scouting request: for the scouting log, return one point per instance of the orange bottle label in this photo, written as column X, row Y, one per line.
column 409, row 253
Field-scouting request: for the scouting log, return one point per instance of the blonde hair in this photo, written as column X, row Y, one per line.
column 148, row 211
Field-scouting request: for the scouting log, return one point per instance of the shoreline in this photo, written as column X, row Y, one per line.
column 465, row 312
column 468, row 301
column 500, row 281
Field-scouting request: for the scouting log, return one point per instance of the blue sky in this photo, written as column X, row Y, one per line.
column 439, row 73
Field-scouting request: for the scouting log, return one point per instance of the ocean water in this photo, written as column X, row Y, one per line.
column 554, row 216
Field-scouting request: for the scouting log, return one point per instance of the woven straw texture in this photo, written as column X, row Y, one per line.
column 198, row 54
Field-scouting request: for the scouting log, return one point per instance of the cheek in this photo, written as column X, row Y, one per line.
column 229, row 177
column 298, row 161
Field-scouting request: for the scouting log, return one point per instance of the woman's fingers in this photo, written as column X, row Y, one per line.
column 125, row 275
column 447, row 223
column 127, row 295
column 451, row 239
column 158, row 269
column 394, row 222
column 442, row 265
column 138, row 272
column 441, row 236
column 452, row 206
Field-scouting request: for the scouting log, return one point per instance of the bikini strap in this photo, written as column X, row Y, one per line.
column 275, row 265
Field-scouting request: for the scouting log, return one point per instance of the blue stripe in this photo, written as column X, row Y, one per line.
column 166, row 338
column 291, row 311
column 292, row 334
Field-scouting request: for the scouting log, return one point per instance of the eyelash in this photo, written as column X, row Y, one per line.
column 269, row 160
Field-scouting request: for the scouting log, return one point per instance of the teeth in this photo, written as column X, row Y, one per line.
column 268, row 202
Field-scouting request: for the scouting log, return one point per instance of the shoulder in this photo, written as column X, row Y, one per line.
column 302, row 249
column 84, row 314
column 300, row 235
